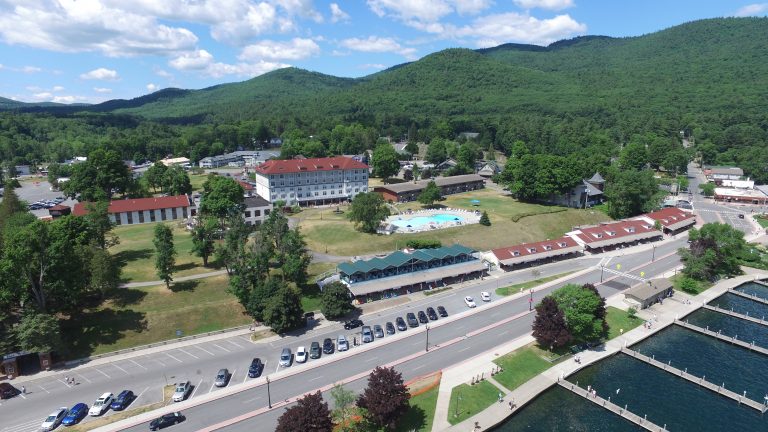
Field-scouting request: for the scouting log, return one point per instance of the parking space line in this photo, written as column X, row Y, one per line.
column 102, row 372
column 278, row 367
column 221, row 347
column 232, row 377
column 115, row 365
column 233, row 343
column 195, row 390
column 212, row 384
column 157, row 360
column 87, row 378
column 188, row 353
column 137, row 364
column 142, row 392
column 174, row 358
column 203, row 349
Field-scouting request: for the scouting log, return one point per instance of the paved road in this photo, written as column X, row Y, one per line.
column 710, row 211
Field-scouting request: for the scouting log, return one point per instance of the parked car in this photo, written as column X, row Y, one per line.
column 256, row 368
column 328, row 346
column 166, row 420
column 123, row 399
column 378, row 331
column 486, row 296
column 314, row 350
column 431, row 313
column 351, row 324
column 101, row 405
column 301, row 354
column 367, row 334
column 441, row 310
column 285, row 357
column 8, row 391
column 469, row 301
column 75, row 414
column 423, row 317
column 181, row 391
column 390, row 328
column 401, row 324
column 53, row 419
column 222, row 377
column 412, row 321
column 741, row 215
column 341, row 343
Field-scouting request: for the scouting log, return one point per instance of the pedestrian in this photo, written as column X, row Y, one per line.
column 501, row 397
column 66, row 379
column 23, row 390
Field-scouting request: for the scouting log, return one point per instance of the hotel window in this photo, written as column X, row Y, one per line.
column 247, row 213
column 163, row 215
column 141, row 217
column 152, row 215
column 257, row 213
column 130, row 217
column 173, row 213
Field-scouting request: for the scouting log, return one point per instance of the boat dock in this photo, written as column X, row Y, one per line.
column 730, row 339
column 749, row 296
column 760, row 321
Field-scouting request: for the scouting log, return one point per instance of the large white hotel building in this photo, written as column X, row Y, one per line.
column 311, row 181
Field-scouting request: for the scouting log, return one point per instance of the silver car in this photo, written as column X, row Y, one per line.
column 181, row 391
column 367, row 334
column 285, row 357
column 341, row 343
column 222, row 377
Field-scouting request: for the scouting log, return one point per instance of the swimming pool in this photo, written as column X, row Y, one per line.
column 418, row 222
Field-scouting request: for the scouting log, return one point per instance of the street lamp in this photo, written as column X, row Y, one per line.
column 653, row 256
column 602, row 267
column 530, row 302
column 269, row 397
column 426, row 348
column 458, row 398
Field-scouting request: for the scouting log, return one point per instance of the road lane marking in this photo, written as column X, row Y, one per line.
column 102, row 372
column 316, row 378
column 115, row 365
column 174, row 358
column 195, row 390
column 372, row 359
column 503, row 333
column 419, row 367
column 203, row 349
column 188, row 353
column 221, row 347
column 251, row 400
column 464, row 349
column 87, row 378
column 137, row 364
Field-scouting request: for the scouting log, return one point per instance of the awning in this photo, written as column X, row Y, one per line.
column 430, row 275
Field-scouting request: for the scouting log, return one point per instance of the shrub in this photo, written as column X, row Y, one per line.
column 632, row 313
column 484, row 220
column 424, row 244
column 689, row 285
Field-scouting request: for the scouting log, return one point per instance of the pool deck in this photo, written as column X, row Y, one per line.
column 661, row 315
column 468, row 217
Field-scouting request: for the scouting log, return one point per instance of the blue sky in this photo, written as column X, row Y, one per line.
column 94, row 50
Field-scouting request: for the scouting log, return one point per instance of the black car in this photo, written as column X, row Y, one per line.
column 165, row 421
column 412, row 321
column 423, row 317
column 401, row 324
column 8, row 391
column 390, row 328
column 256, row 368
column 441, row 310
column 378, row 331
column 431, row 313
column 355, row 323
column 328, row 346
column 314, row 351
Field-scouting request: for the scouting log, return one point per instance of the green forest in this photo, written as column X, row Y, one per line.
column 584, row 98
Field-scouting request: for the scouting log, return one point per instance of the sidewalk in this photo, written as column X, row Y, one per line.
column 178, row 279
column 666, row 314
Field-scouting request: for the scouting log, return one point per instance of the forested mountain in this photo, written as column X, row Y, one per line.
column 586, row 96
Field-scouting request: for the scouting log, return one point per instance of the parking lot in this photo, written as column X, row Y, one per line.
column 34, row 188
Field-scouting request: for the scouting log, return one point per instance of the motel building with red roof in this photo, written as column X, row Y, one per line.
column 143, row 210
column 672, row 219
column 611, row 235
column 313, row 181
column 527, row 254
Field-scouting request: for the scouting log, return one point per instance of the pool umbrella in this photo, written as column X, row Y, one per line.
column 475, row 202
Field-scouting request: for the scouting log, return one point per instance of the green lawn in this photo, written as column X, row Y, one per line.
column 701, row 286
column 762, row 220
column 514, row 289
column 421, row 412
column 520, row 366
column 619, row 319
column 471, row 400
column 310, row 299
column 136, row 253
column 326, row 231
column 138, row 316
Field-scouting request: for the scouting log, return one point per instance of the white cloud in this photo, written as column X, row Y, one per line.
column 544, row 4
column 337, row 14
column 193, row 60
column 30, row 69
column 58, row 88
column 102, row 74
column 294, row 49
column 752, row 9
column 102, row 90
column 302, row 8
column 471, row 6
column 497, row 29
column 151, row 87
column 43, row 96
column 372, row 66
column 378, row 45
column 68, row 99
column 406, row 10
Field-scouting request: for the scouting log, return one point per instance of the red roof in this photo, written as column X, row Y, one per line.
column 615, row 230
column 59, row 207
column 526, row 249
column 246, row 186
column 139, row 204
column 275, row 166
column 669, row 216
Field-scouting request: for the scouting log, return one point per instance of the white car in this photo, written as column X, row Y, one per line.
column 469, row 301
column 341, row 343
column 101, row 405
column 485, row 295
column 54, row 419
column 301, row 355
column 181, row 391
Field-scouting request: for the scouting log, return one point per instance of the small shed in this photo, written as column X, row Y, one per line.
column 650, row 292
column 59, row 210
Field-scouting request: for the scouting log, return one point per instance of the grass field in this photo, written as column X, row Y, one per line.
column 701, row 286
column 138, row 316
column 618, row 319
column 421, row 413
column 514, row 289
column 326, row 231
column 471, row 400
column 136, row 253
column 520, row 366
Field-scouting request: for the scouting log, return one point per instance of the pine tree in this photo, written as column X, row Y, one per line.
column 549, row 326
column 484, row 219
column 165, row 253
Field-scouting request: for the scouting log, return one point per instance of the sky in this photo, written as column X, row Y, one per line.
column 89, row 51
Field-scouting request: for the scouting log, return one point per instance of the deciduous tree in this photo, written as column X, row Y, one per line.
column 283, row 311
column 385, row 161
column 631, row 193
column 549, row 326
column 713, row 251
column 335, row 301
column 430, row 194
column 203, row 238
column 222, row 197
column 155, row 175
column 385, row 398
column 99, row 177
column 367, row 211
column 310, row 414
column 165, row 253
column 582, row 309
column 39, row 332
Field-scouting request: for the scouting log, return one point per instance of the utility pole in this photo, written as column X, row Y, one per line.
column 269, row 397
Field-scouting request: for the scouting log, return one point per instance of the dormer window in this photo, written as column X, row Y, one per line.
column 630, row 229
column 598, row 235
column 547, row 247
column 515, row 253
column 532, row 250
column 562, row 244
column 611, row 233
